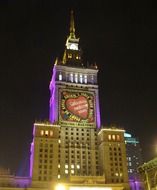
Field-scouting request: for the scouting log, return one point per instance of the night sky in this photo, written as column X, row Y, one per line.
column 120, row 36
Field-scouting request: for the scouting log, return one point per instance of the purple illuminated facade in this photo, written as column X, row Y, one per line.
column 71, row 74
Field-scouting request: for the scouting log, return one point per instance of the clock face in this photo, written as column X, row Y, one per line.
column 73, row 47
column 77, row 106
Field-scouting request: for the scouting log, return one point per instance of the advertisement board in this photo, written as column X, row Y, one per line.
column 77, row 106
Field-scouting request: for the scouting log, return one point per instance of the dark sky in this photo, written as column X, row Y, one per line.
column 121, row 36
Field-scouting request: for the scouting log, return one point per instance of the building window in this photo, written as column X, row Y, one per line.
column 71, row 77
column 118, row 138
column 85, row 79
column 46, row 133
column 41, row 132
column 70, row 55
column 60, row 76
column 66, row 171
column 113, row 137
column 59, row 176
column 109, row 137
column 51, row 133
column 66, row 166
column 81, row 78
column 76, row 77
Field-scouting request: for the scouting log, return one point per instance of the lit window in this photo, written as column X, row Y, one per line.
column 66, row 171
column 118, row 138
column 109, row 137
column 116, row 174
column 59, row 141
column 81, row 78
column 72, row 166
column 60, row 76
column 72, row 171
column 51, row 133
column 92, row 78
column 77, row 57
column 59, row 176
column 113, row 137
column 70, row 55
column 78, row 166
column 66, row 165
column 85, row 79
column 41, row 132
column 46, row 133
column 76, row 77
column 59, row 166
column 71, row 77
column 130, row 164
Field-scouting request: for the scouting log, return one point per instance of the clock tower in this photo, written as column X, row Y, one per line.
column 72, row 148
column 74, row 90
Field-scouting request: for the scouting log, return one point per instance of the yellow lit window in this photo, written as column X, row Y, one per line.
column 41, row 132
column 72, row 171
column 118, row 138
column 109, row 137
column 78, row 166
column 59, row 176
column 66, row 165
column 59, row 141
column 113, row 137
column 59, row 166
column 72, row 166
column 46, row 133
column 51, row 133
column 66, row 171
column 70, row 55
column 77, row 57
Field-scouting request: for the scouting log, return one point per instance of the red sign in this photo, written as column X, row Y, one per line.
column 77, row 106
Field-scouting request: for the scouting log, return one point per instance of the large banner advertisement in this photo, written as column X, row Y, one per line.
column 77, row 106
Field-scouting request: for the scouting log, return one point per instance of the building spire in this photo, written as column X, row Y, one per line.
column 72, row 25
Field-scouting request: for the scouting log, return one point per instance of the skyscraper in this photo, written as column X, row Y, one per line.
column 134, row 155
column 72, row 147
column 73, row 150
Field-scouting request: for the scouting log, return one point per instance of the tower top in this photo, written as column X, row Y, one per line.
column 72, row 42
column 72, row 25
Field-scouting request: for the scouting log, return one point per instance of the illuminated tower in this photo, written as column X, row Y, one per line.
column 67, row 146
column 74, row 90
column 71, row 148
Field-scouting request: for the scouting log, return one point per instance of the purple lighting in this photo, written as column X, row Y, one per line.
column 53, row 100
column 98, row 112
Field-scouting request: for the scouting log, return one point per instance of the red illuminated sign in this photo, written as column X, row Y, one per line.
column 77, row 106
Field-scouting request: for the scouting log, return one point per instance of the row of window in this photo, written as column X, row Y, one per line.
column 46, row 133
column 114, row 137
column 114, row 149
column 77, row 78
column 82, row 134
column 70, row 56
